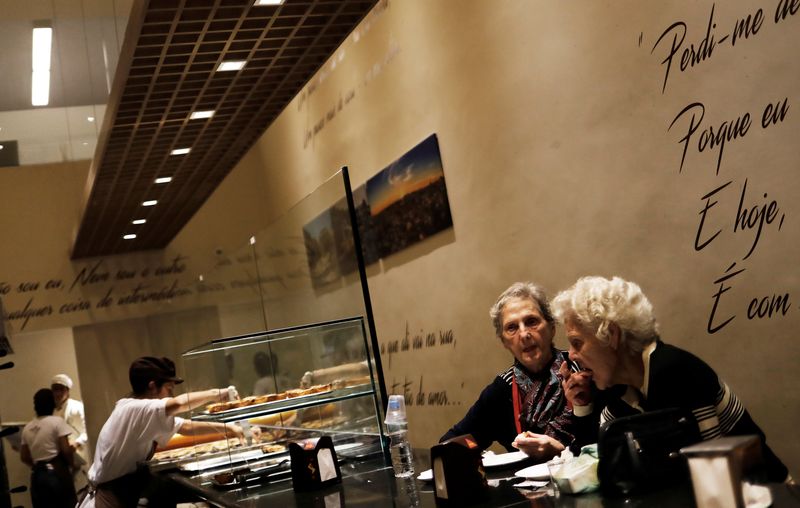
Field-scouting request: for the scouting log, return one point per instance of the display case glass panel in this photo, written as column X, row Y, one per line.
column 315, row 392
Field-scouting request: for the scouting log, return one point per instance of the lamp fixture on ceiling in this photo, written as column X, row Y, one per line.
column 152, row 202
column 163, row 179
column 180, row 151
column 139, row 221
column 231, row 65
column 268, row 2
column 196, row 115
column 40, row 75
column 129, row 237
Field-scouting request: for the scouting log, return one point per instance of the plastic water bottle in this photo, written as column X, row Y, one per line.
column 397, row 430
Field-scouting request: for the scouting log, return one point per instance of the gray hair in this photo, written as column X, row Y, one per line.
column 527, row 290
column 596, row 302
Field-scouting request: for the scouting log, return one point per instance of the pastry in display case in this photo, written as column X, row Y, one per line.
column 310, row 390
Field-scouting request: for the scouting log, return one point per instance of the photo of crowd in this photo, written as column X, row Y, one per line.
column 408, row 199
column 402, row 205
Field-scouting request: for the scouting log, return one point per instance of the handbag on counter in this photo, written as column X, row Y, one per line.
column 641, row 452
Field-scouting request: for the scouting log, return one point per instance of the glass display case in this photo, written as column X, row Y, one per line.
column 308, row 381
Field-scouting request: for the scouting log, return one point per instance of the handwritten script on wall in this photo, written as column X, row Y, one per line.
column 743, row 205
column 414, row 390
column 103, row 284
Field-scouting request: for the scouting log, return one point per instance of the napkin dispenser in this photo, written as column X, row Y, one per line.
column 458, row 475
column 719, row 466
column 314, row 464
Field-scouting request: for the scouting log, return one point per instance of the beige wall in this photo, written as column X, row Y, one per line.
column 559, row 162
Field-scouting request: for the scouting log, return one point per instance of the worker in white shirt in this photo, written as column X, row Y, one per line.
column 71, row 411
column 46, row 450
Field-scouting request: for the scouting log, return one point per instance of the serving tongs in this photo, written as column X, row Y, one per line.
column 257, row 476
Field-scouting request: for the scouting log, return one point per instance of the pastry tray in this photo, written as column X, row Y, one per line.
column 264, row 405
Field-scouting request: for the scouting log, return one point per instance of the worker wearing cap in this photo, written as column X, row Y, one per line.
column 71, row 411
column 139, row 422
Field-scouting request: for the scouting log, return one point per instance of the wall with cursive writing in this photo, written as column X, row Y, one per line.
column 650, row 141
column 655, row 141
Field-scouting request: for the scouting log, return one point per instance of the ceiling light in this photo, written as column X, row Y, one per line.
column 1, row 147
column 139, row 221
column 201, row 114
column 268, row 2
column 165, row 179
column 129, row 237
column 90, row 118
column 180, row 151
column 40, row 77
column 151, row 202
column 231, row 65
column 252, row 240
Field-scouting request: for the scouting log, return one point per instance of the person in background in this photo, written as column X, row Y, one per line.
column 45, row 448
column 269, row 381
column 613, row 335
column 137, row 424
column 71, row 411
column 524, row 407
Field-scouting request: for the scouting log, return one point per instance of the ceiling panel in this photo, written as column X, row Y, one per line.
column 168, row 70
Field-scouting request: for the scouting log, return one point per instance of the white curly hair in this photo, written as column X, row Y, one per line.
column 595, row 302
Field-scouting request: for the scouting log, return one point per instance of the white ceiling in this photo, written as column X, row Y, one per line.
column 87, row 36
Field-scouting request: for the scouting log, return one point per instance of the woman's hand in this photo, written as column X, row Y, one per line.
column 538, row 446
column 576, row 385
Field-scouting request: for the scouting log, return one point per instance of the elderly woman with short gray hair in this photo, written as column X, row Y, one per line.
column 524, row 407
column 613, row 336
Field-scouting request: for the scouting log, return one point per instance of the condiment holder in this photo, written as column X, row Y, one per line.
column 458, row 475
column 314, row 464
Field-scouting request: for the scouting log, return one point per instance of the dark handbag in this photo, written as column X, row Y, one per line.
column 641, row 452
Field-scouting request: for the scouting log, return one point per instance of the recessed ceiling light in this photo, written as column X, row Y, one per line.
column 90, row 118
column 129, row 237
column 201, row 114
column 139, row 221
column 40, row 77
column 151, row 202
column 180, row 151
column 252, row 240
column 164, row 179
column 268, row 2
column 1, row 147
column 231, row 65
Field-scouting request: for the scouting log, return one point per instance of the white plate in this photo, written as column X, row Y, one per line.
column 503, row 459
column 535, row 472
column 426, row 476
column 346, row 446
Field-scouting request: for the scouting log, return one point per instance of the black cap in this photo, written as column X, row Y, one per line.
column 149, row 368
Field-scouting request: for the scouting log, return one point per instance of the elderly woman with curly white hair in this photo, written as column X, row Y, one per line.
column 613, row 335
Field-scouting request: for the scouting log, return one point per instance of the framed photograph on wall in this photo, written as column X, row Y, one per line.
column 319, row 239
column 408, row 199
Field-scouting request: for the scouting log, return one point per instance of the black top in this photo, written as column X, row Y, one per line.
column 678, row 378
column 491, row 417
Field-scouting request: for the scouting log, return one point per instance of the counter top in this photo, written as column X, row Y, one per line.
column 372, row 483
